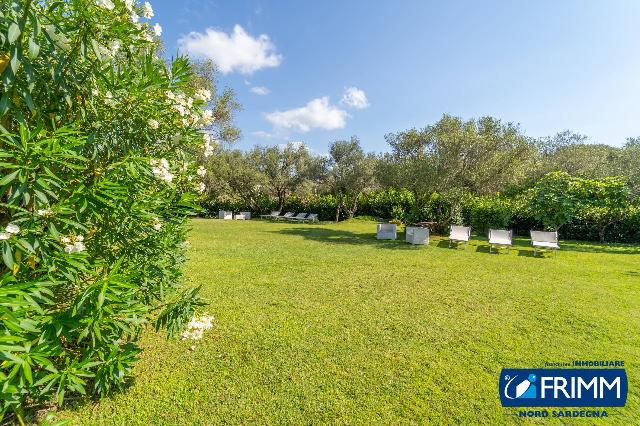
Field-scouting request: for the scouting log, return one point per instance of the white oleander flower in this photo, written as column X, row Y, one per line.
column 157, row 225
column 134, row 17
column 160, row 168
column 44, row 212
column 157, row 30
column 196, row 327
column 201, row 171
column 12, row 228
column 79, row 238
column 207, row 116
column 147, row 10
column 203, row 95
column 4, row 236
column 153, row 123
column 202, row 187
column 106, row 4
column 128, row 4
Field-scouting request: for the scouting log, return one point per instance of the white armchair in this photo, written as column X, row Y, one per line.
column 500, row 237
column 242, row 216
column 417, row 235
column 544, row 240
column 222, row 214
column 460, row 234
column 386, row 231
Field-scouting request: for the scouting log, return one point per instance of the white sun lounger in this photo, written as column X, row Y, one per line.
column 274, row 215
column 287, row 215
column 298, row 217
column 242, row 216
column 500, row 237
column 544, row 240
column 386, row 231
column 313, row 217
column 459, row 234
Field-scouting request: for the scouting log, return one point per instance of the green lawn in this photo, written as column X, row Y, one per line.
column 325, row 324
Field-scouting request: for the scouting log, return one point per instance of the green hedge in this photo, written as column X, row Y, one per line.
column 481, row 213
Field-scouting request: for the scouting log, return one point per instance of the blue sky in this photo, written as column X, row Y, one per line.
column 548, row 65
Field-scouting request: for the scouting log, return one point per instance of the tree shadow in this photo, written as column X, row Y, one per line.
column 522, row 246
column 342, row 237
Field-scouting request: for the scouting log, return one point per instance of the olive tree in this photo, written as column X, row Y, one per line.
column 350, row 174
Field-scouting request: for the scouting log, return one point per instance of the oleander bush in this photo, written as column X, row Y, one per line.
column 99, row 144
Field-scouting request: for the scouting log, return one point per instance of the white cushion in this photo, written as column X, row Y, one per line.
column 546, row 244
column 460, row 233
column 500, row 237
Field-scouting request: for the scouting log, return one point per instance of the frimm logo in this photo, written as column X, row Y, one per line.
column 593, row 387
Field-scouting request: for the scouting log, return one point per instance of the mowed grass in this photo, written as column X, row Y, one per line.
column 322, row 323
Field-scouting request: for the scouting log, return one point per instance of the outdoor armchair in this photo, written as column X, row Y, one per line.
column 417, row 235
column 500, row 237
column 223, row 214
column 460, row 234
column 544, row 240
column 386, row 231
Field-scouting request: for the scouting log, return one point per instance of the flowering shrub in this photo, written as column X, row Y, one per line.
column 100, row 140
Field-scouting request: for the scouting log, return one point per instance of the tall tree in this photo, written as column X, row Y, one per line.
column 284, row 168
column 351, row 173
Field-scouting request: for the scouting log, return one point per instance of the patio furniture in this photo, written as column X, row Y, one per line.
column 274, row 215
column 417, row 235
column 459, row 234
column 386, row 231
column 223, row 214
column 500, row 237
column 287, row 215
column 313, row 217
column 242, row 216
column 298, row 217
column 544, row 240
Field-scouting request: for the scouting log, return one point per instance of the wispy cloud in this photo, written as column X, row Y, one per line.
column 354, row 98
column 238, row 51
column 259, row 90
column 316, row 114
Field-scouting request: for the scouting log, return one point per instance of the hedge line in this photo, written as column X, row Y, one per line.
column 481, row 213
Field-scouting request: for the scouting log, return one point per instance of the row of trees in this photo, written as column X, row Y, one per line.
column 452, row 156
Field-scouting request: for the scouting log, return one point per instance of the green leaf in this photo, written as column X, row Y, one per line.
column 9, row 178
column 14, row 32
column 7, row 255
column 34, row 48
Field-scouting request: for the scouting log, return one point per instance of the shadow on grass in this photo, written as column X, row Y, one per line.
column 520, row 245
column 335, row 236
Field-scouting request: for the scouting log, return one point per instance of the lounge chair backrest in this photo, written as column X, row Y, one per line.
column 312, row 216
column 275, row 213
column 500, row 234
column 289, row 214
column 386, row 227
column 301, row 215
column 544, row 236
column 460, row 232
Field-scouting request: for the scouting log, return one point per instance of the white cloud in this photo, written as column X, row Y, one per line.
column 259, row 90
column 262, row 134
column 316, row 114
column 354, row 98
column 238, row 51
